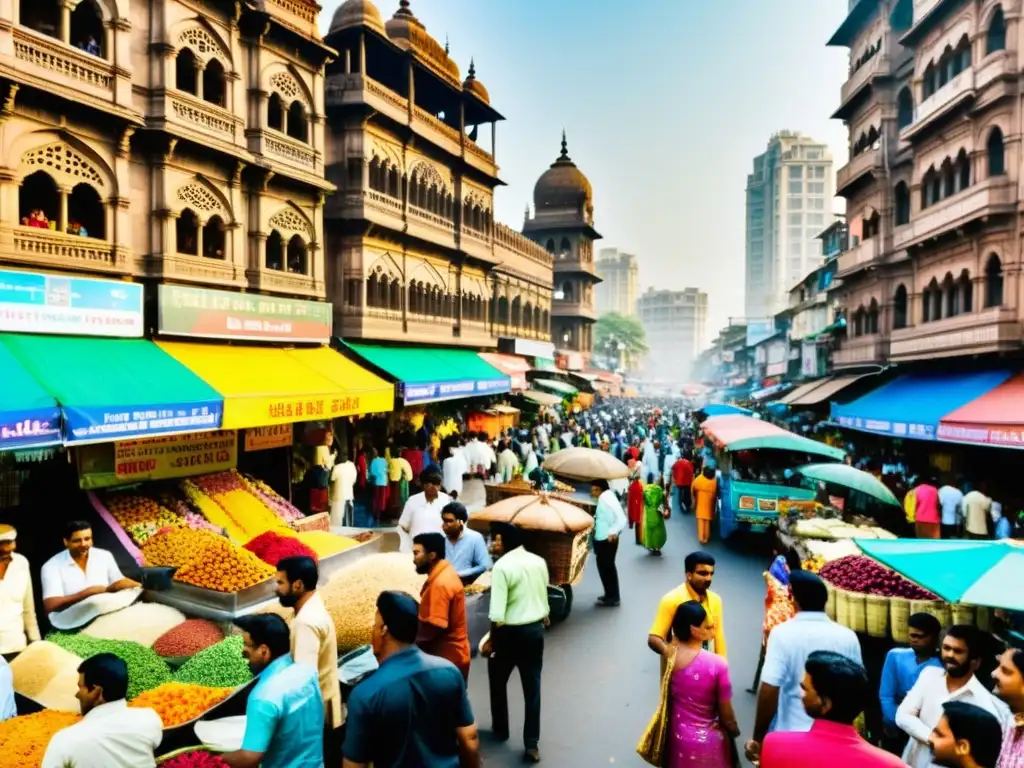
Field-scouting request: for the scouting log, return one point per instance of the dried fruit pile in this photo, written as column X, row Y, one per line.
column 188, row 639
column 272, row 547
column 177, row 703
column 177, row 547
column 223, row 567
column 140, row 516
column 23, row 739
column 219, row 666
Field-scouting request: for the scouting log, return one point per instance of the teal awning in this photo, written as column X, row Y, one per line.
column 29, row 415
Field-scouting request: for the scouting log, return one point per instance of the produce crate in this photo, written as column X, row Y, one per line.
column 495, row 493
column 899, row 618
column 565, row 553
column 876, row 609
column 842, row 607
column 937, row 608
column 963, row 614
column 830, row 604
column 858, row 611
column 318, row 522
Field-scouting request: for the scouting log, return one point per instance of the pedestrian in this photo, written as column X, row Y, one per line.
column 682, row 479
column 789, row 646
column 313, row 640
column 443, row 631
column 926, row 510
column 519, row 616
column 341, row 493
column 508, row 462
column 921, row 710
column 700, row 571
column 635, row 504
column 110, row 734
column 836, row 690
column 18, row 624
column 704, row 497
column 967, row 736
column 453, row 469
column 655, row 513
column 977, row 507
column 414, row 710
column 284, row 715
column 609, row 523
column 379, row 478
column 900, row 671
column 778, row 605
column 950, row 505
column 464, row 548
column 422, row 512
column 1009, row 678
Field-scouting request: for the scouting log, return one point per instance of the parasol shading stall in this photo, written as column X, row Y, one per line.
column 585, row 464
column 849, row 477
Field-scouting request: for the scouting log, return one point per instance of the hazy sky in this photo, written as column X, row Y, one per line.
column 665, row 103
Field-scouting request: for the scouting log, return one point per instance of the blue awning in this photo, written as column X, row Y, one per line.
column 912, row 405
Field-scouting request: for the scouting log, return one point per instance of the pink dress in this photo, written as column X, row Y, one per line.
column 697, row 739
column 1012, row 754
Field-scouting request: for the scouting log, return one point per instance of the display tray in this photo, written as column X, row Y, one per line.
column 226, row 606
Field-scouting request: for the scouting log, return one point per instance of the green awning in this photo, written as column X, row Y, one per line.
column 545, row 364
column 541, row 398
column 556, row 386
column 429, row 375
column 29, row 415
column 113, row 389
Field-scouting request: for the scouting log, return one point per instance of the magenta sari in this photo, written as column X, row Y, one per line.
column 696, row 738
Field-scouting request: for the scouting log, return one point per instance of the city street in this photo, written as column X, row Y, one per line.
column 600, row 680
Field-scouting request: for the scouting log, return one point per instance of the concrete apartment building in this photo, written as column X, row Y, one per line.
column 620, row 288
column 674, row 324
column 789, row 202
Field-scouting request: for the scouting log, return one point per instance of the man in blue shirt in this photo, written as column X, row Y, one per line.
column 414, row 711
column 284, row 717
column 466, row 550
column 901, row 670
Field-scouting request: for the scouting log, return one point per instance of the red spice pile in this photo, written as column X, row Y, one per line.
column 188, row 638
column 196, row 759
column 271, row 548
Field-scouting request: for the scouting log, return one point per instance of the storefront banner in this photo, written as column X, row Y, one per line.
column 205, row 313
column 451, row 390
column 1003, row 435
column 883, row 427
column 243, row 412
column 104, row 423
column 32, row 302
column 531, row 348
column 159, row 458
column 30, row 429
column 265, row 438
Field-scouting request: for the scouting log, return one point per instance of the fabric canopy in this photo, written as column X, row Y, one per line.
column 541, row 398
column 724, row 409
column 113, row 389
column 913, row 404
column 556, row 386
column 802, row 390
column 828, row 389
column 994, row 418
column 743, row 433
column 263, row 386
column 429, row 375
column 29, row 415
column 513, row 366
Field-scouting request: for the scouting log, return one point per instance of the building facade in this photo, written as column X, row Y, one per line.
column 563, row 222
column 415, row 254
column 620, row 282
column 170, row 141
column 674, row 326
column 935, row 271
column 789, row 199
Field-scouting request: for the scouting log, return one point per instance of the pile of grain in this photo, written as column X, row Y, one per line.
column 48, row 674
column 141, row 623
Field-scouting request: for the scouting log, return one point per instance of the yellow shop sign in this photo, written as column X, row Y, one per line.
column 157, row 458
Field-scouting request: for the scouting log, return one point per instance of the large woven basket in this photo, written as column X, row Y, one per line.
column 983, row 618
column 842, row 607
column 565, row 553
column 318, row 522
column 830, row 604
column 937, row 608
column 495, row 493
column 876, row 610
column 963, row 614
column 858, row 611
column 899, row 618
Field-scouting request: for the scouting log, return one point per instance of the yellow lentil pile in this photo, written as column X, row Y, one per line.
column 175, row 548
column 23, row 739
column 223, row 567
column 325, row 544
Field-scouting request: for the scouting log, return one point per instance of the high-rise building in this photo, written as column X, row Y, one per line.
column 674, row 326
column 789, row 202
column 620, row 274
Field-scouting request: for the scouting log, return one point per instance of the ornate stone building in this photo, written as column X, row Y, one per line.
column 415, row 254
column 181, row 141
column 563, row 221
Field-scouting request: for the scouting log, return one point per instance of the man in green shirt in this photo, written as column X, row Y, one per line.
column 519, row 614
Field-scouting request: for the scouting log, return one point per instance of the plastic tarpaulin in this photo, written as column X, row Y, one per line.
column 514, row 366
column 743, row 433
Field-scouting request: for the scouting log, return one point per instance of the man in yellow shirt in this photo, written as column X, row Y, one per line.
column 700, row 570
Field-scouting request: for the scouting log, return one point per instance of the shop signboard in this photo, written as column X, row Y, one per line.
column 432, row 392
column 97, row 423
column 30, row 429
column 532, row 348
column 899, row 429
column 156, row 458
column 210, row 314
column 33, row 302
column 265, row 438
column 1003, row 435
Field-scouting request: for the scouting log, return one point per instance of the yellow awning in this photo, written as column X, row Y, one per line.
column 262, row 386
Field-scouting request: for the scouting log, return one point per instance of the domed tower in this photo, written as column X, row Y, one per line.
column 563, row 222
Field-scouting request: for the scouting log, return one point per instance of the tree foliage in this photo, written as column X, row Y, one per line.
column 626, row 330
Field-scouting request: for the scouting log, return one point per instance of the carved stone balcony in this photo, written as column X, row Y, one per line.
column 990, row 197
column 290, row 155
column 367, row 205
column 859, row 257
column 479, row 158
column 37, row 247
column 372, row 323
column 437, row 131
column 431, row 227
column 566, row 265
column 860, row 166
column 295, row 14
column 351, row 89
column 285, row 283
column 997, row 329
column 573, row 308
column 196, row 269
column 861, row 351
column 477, row 244
column 182, row 113
column 873, row 67
column 957, row 91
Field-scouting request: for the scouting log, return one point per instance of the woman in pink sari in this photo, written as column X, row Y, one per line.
column 702, row 723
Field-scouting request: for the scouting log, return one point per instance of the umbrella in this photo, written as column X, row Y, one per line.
column 585, row 464
column 724, row 409
column 534, row 512
column 972, row 572
column 849, row 477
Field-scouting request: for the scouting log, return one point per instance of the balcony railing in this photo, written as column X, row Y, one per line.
column 62, row 64
column 863, row 350
column 289, row 283
column 507, row 237
column 956, row 90
column 573, row 308
column 877, row 64
column 37, row 246
column 200, row 115
column 992, row 196
column 295, row 14
column 444, row 135
column 868, row 161
column 859, row 257
column 180, row 266
column 993, row 67
column 290, row 151
column 995, row 329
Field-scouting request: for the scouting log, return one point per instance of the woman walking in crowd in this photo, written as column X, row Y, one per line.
column 655, row 513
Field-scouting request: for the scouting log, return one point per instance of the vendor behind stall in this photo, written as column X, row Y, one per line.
column 18, row 625
column 80, row 571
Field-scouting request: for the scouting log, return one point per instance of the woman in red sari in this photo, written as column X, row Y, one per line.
column 635, row 501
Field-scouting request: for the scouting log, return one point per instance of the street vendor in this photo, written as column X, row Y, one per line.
column 18, row 625
column 80, row 571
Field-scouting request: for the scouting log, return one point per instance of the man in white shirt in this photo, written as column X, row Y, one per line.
column 921, row 710
column 950, row 500
column 341, row 493
column 80, row 571
column 422, row 512
column 111, row 734
column 18, row 625
column 977, row 508
column 7, row 707
column 454, row 468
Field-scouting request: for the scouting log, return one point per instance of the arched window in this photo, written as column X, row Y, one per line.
column 297, row 255
column 551, row 245
column 930, row 82
column 375, row 174
column 502, row 309
column 213, row 238
column 901, row 198
column 86, row 216
column 394, row 185
column 528, row 316
column 274, row 258
column 372, row 287
column 536, row 319
column 963, row 171
column 904, row 108
column 395, row 296
column 872, row 225
column 899, row 307
column 931, row 187
column 275, row 114
column 858, row 321
column 38, row 201
column 871, row 321
column 545, row 321
column 185, row 71
column 298, row 127
column 993, row 282
column 517, row 311
column 86, row 28
column 567, row 292
column 996, row 153
column 951, row 293
column 564, row 248
column 962, row 56
column 995, row 37
column 948, row 179
column 42, row 17
column 384, row 292
column 187, row 233
column 966, row 291
column 412, row 302
column 214, row 83
column 931, row 302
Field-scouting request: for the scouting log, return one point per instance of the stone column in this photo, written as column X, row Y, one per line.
column 65, row 22
column 199, row 78
column 62, row 215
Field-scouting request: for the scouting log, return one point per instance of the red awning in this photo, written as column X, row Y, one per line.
column 995, row 418
column 513, row 366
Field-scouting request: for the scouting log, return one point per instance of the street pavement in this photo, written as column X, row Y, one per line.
column 600, row 681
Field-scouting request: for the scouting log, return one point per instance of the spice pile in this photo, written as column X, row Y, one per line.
column 223, row 567
column 232, row 495
column 219, row 666
column 178, row 703
column 176, row 547
column 325, row 544
column 23, row 739
column 276, row 503
column 187, row 639
column 858, row 573
column 146, row 670
column 272, row 547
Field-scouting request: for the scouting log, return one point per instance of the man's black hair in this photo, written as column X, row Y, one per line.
column 431, row 543
column 809, row 591
column 979, row 728
column 400, row 614
column 107, row 671
column 697, row 558
column 511, row 537
column 75, row 526
column 842, row 681
column 267, row 629
column 456, row 508
column 925, row 622
column 300, row 568
column 970, row 636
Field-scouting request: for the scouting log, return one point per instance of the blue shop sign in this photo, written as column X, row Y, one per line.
column 104, row 423
column 430, row 392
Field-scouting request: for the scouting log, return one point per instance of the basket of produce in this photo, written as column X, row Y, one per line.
column 937, row 608
column 983, row 618
column 962, row 613
column 876, row 612
column 552, row 528
column 899, row 619
column 836, row 529
column 518, row 486
column 321, row 521
column 830, row 605
column 842, row 607
column 858, row 611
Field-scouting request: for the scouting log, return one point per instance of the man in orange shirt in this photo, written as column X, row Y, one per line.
column 443, row 631
column 704, row 493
